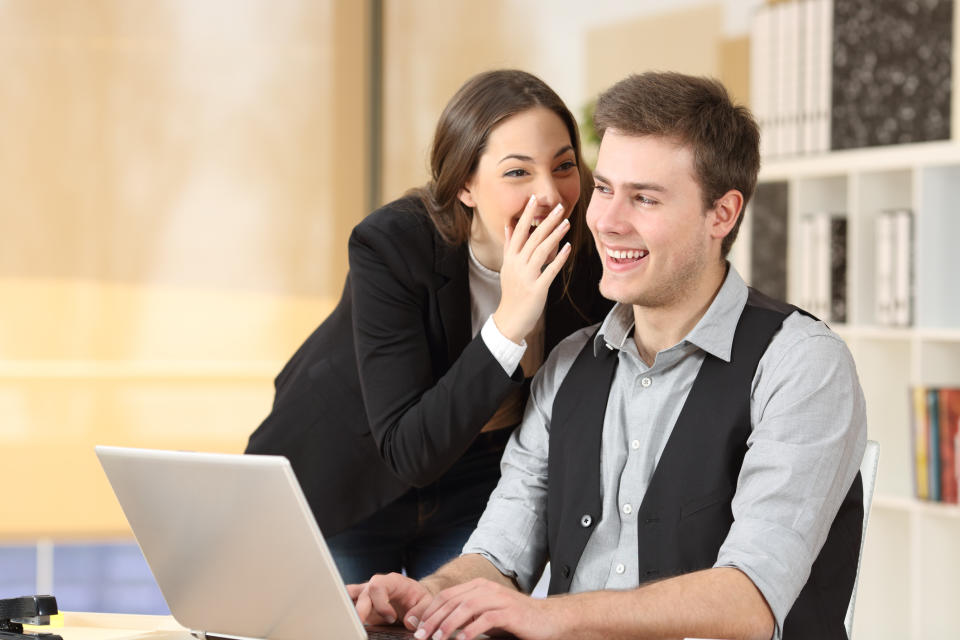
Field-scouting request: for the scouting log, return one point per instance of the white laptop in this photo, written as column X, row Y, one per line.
column 233, row 545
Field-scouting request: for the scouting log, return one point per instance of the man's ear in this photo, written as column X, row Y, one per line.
column 727, row 209
column 466, row 197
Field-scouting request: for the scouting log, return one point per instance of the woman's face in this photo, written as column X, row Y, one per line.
column 527, row 154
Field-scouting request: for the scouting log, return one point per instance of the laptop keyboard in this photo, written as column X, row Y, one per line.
column 388, row 633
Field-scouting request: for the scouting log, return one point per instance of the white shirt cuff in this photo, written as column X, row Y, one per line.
column 504, row 350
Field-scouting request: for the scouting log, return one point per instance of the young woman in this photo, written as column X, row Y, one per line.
column 395, row 411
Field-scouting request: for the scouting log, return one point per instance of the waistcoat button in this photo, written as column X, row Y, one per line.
column 586, row 520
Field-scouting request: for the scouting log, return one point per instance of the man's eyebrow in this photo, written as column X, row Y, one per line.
column 636, row 186
column 523, row 158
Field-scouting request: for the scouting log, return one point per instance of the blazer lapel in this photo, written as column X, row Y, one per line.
column 453, row 296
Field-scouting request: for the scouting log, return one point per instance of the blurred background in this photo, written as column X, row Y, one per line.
column 178, row 179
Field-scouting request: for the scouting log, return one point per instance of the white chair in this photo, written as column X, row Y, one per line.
column 868, row 473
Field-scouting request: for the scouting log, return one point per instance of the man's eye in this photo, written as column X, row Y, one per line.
column 645, row 200
column 599, row 188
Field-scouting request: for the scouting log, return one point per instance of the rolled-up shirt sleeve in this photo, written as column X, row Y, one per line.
column 808, row 438
column 512, row 532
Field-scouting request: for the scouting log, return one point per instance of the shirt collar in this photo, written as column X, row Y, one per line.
column 713, row 333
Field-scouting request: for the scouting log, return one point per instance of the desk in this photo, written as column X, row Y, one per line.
column 116, row 626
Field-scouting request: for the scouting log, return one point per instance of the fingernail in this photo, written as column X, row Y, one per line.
column 566, row 247
column 557, row 209
column 413, row 621
column 390, row 619
column 565, row 222
column 533, row 198
column 437, row 634
column 420, row 634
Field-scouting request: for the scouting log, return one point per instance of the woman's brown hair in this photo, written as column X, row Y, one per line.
column 479, row 105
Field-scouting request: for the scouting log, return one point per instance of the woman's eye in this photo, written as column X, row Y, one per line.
column 566, row 166
column 516, row 173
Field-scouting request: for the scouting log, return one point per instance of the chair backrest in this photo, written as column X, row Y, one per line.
column 868, row 473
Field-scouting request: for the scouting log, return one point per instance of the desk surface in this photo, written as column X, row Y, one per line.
column 117, row 626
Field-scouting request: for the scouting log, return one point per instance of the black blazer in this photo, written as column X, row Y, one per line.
column 391, row 389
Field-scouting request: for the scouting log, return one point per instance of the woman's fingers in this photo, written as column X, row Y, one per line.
column 553, row 268
column 518, row 236
column 542, row 234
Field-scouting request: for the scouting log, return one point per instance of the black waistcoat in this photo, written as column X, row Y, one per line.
column 686, row 512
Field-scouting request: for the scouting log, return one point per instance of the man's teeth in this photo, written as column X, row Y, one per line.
column 630, row 254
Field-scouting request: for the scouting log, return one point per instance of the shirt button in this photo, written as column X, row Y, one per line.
column 645, row 382
column 627, row 509
column 635, row 445
column 586, row 520
column 620, row 568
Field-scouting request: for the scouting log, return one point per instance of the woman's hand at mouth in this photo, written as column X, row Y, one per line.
column 531, row 260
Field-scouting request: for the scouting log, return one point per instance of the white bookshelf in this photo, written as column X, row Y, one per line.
column 910, row 576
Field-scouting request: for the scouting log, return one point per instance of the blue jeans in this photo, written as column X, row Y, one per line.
column 426, row 527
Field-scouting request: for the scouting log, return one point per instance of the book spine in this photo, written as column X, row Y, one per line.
column 949, row 428
column 825, row 93
column 806, row 263
column 920, row 430
column 838, row 269
column 903, row 268
column 884, row 269
column 933, row 440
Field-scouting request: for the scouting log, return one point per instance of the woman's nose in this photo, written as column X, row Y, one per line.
column 548, row 196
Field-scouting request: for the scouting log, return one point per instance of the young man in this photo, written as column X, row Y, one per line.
column 690, row 468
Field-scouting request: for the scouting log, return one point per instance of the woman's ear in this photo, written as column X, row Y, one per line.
column 466, row 197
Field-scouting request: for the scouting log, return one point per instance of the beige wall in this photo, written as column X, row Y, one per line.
column 177, row 181
column 430, row 48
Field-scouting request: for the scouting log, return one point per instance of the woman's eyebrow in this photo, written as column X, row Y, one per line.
column 523, row 158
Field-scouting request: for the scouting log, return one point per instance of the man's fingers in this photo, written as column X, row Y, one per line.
column 487, row 621
column 380, row 602
column 362, row 604
column 354, row 590
column 416, row 613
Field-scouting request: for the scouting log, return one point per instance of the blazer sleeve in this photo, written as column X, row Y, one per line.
column 422, row 420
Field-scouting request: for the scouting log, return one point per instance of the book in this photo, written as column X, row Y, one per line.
column 838, row 269
column 933, row 443
column 768, row 239
column 824, row 260
column 883, row 267
column 919, row 430
column 949, row 403
column 902, row 302
column 807, row 298
column 891, row 72
column 825, row 73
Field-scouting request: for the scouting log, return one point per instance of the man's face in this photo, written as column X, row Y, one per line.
column 648, row 221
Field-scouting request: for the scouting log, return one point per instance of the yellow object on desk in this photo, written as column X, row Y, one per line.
column 113, row 626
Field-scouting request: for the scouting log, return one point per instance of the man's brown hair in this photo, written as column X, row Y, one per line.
column 698, row 113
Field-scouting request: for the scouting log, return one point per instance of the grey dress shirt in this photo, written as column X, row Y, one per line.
column 808, row 437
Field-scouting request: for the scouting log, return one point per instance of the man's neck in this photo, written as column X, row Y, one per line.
column 661, row 327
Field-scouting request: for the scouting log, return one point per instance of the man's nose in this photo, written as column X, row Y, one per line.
column 608, row 216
